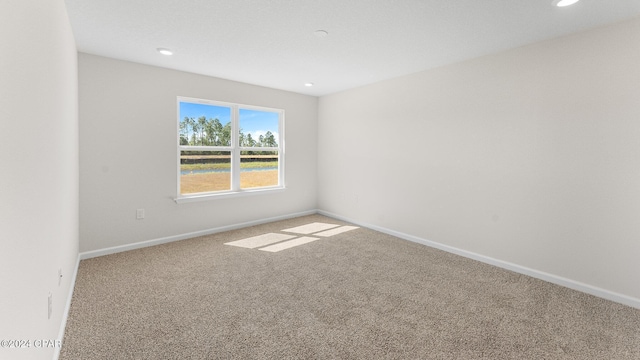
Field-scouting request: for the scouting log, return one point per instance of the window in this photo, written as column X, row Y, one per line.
column 226, row 148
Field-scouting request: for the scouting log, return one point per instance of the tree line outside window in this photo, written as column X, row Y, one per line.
column 211, row 132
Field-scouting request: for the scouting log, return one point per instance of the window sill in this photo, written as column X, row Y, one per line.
column 229, row 194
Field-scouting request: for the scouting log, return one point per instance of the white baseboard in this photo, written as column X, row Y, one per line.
column 168, row 239
column 555, row 279
column 65, row 314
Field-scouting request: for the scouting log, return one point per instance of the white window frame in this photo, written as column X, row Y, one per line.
column 235, row 151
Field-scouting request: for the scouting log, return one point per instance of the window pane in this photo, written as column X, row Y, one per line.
column 204, row 125
column 259, row 128
column 204, row 171
column 258, row 169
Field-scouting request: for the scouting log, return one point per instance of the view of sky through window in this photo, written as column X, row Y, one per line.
column 254, row 122
column 258, row 123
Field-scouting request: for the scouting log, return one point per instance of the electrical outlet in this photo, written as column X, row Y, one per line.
column 59, row 276
column 49, row 306
column 140, row 214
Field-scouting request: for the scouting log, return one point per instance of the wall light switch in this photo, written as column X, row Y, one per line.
column 140, row 214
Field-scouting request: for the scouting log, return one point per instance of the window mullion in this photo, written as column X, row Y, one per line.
column 235, row 145
column 280, row 148
column 205, row 148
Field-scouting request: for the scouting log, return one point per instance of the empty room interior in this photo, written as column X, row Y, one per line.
column 320, row 179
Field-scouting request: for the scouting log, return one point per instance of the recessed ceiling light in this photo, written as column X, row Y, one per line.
column 309, row 84
column 563, row 3
column 320, row 33
column 164, row 51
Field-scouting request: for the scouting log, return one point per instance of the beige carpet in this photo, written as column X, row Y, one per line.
column 355, row 295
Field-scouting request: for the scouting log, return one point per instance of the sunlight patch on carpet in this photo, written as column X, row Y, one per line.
column 274, row 242
column 310, row 228
column 260, row 240
column 289, row 244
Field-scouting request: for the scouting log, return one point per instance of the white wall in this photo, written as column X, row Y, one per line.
column 39, row 176
column 128, row 153
column 530, row 156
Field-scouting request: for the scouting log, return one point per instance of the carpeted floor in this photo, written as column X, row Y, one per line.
column 359, row 294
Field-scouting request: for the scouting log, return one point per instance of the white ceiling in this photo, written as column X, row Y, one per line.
column 272, row 42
